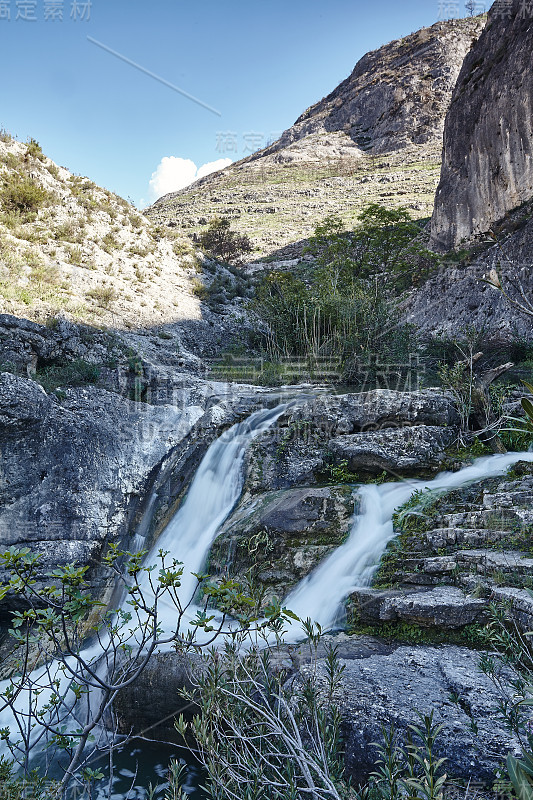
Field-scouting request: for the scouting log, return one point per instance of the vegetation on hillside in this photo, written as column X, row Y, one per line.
column 344, row 309
column 219, row 241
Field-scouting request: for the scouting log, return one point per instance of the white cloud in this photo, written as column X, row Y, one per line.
column 175, row 173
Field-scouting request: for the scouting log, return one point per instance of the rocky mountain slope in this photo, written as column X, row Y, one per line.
column 74, row 251
column 81, row 249
column 376, row 138
column 459, row 298
column 396, row 96
column 488, row 159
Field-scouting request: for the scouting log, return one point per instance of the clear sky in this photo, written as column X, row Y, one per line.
column 259, row 64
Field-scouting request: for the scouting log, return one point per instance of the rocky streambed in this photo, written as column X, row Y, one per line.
column 86, row 466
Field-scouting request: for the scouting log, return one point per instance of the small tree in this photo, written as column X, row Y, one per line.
column 223, row 243
column 63, row 689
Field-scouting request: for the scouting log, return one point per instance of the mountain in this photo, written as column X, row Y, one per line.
column 488, row 138
column 396, row 96
column 376, row 138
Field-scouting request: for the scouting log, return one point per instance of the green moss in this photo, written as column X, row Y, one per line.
column 474, row 636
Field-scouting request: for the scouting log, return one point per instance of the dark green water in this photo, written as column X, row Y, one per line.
column 136, row 767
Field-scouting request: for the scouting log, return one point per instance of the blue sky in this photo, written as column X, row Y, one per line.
column 260, row 64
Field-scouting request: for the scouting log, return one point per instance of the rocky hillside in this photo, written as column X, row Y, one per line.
column 396, row 96
column 488, row 159
column 72, row 250
column 376, row 138
column 66, row 244
column 458, row 297
column 279, row 204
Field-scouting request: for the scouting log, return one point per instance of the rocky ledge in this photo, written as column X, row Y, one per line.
column 382, row 685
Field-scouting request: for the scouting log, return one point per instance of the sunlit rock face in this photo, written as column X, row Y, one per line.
column 488, row 136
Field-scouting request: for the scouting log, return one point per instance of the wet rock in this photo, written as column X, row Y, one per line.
column 443, row 607
column 372, row 431
column 281, row 536
column 75, row 474
column 335, row 415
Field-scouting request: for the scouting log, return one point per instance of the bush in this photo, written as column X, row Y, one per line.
column 222, row 243
column 23, row 195
column 34, row 150
column 103, row 295
column 75, row 373
column 383, row 241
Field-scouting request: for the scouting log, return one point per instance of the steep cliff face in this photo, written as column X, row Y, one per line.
column 488, row 137
column 397, row 95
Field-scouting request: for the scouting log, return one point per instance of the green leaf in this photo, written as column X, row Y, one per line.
column 519, row 779
column 527, row 405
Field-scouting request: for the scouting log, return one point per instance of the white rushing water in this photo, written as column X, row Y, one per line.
column 351, row 566
column 213, row 493
column 216, row 489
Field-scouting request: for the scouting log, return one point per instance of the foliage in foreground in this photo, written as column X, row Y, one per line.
column 263, row 732
column 54, row 670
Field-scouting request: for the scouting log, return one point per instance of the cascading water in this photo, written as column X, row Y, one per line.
column 320, row 595
column 213, row 494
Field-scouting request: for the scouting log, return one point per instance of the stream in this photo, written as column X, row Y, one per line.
column 213, row 493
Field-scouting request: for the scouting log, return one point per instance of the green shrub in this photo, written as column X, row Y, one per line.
column 34, row 150
column 199, row 289
column 74, row 373
column 223, row 243
column 23, row 195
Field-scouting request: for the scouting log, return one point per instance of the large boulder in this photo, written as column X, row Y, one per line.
column 388, row 689
column 443, row 607
column 373, row 431
column 382, row 685
column 281, row 536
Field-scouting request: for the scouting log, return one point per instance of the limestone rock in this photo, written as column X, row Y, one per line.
column 389, row 689
column 381, row 685
column 281, row 536
column 458, row 298
column 401, row 450
column 75, row 474
column 396, row 95
column 373, row 431
column 443, row 607
column 488, row 153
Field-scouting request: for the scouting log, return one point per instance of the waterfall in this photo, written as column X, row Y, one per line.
column 213, row 494
column 351, row 566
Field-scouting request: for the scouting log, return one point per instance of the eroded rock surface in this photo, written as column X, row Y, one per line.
column 381, row 685
column 488, row 156
column 281, row 536
column 368, row 432
column 396, row 95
